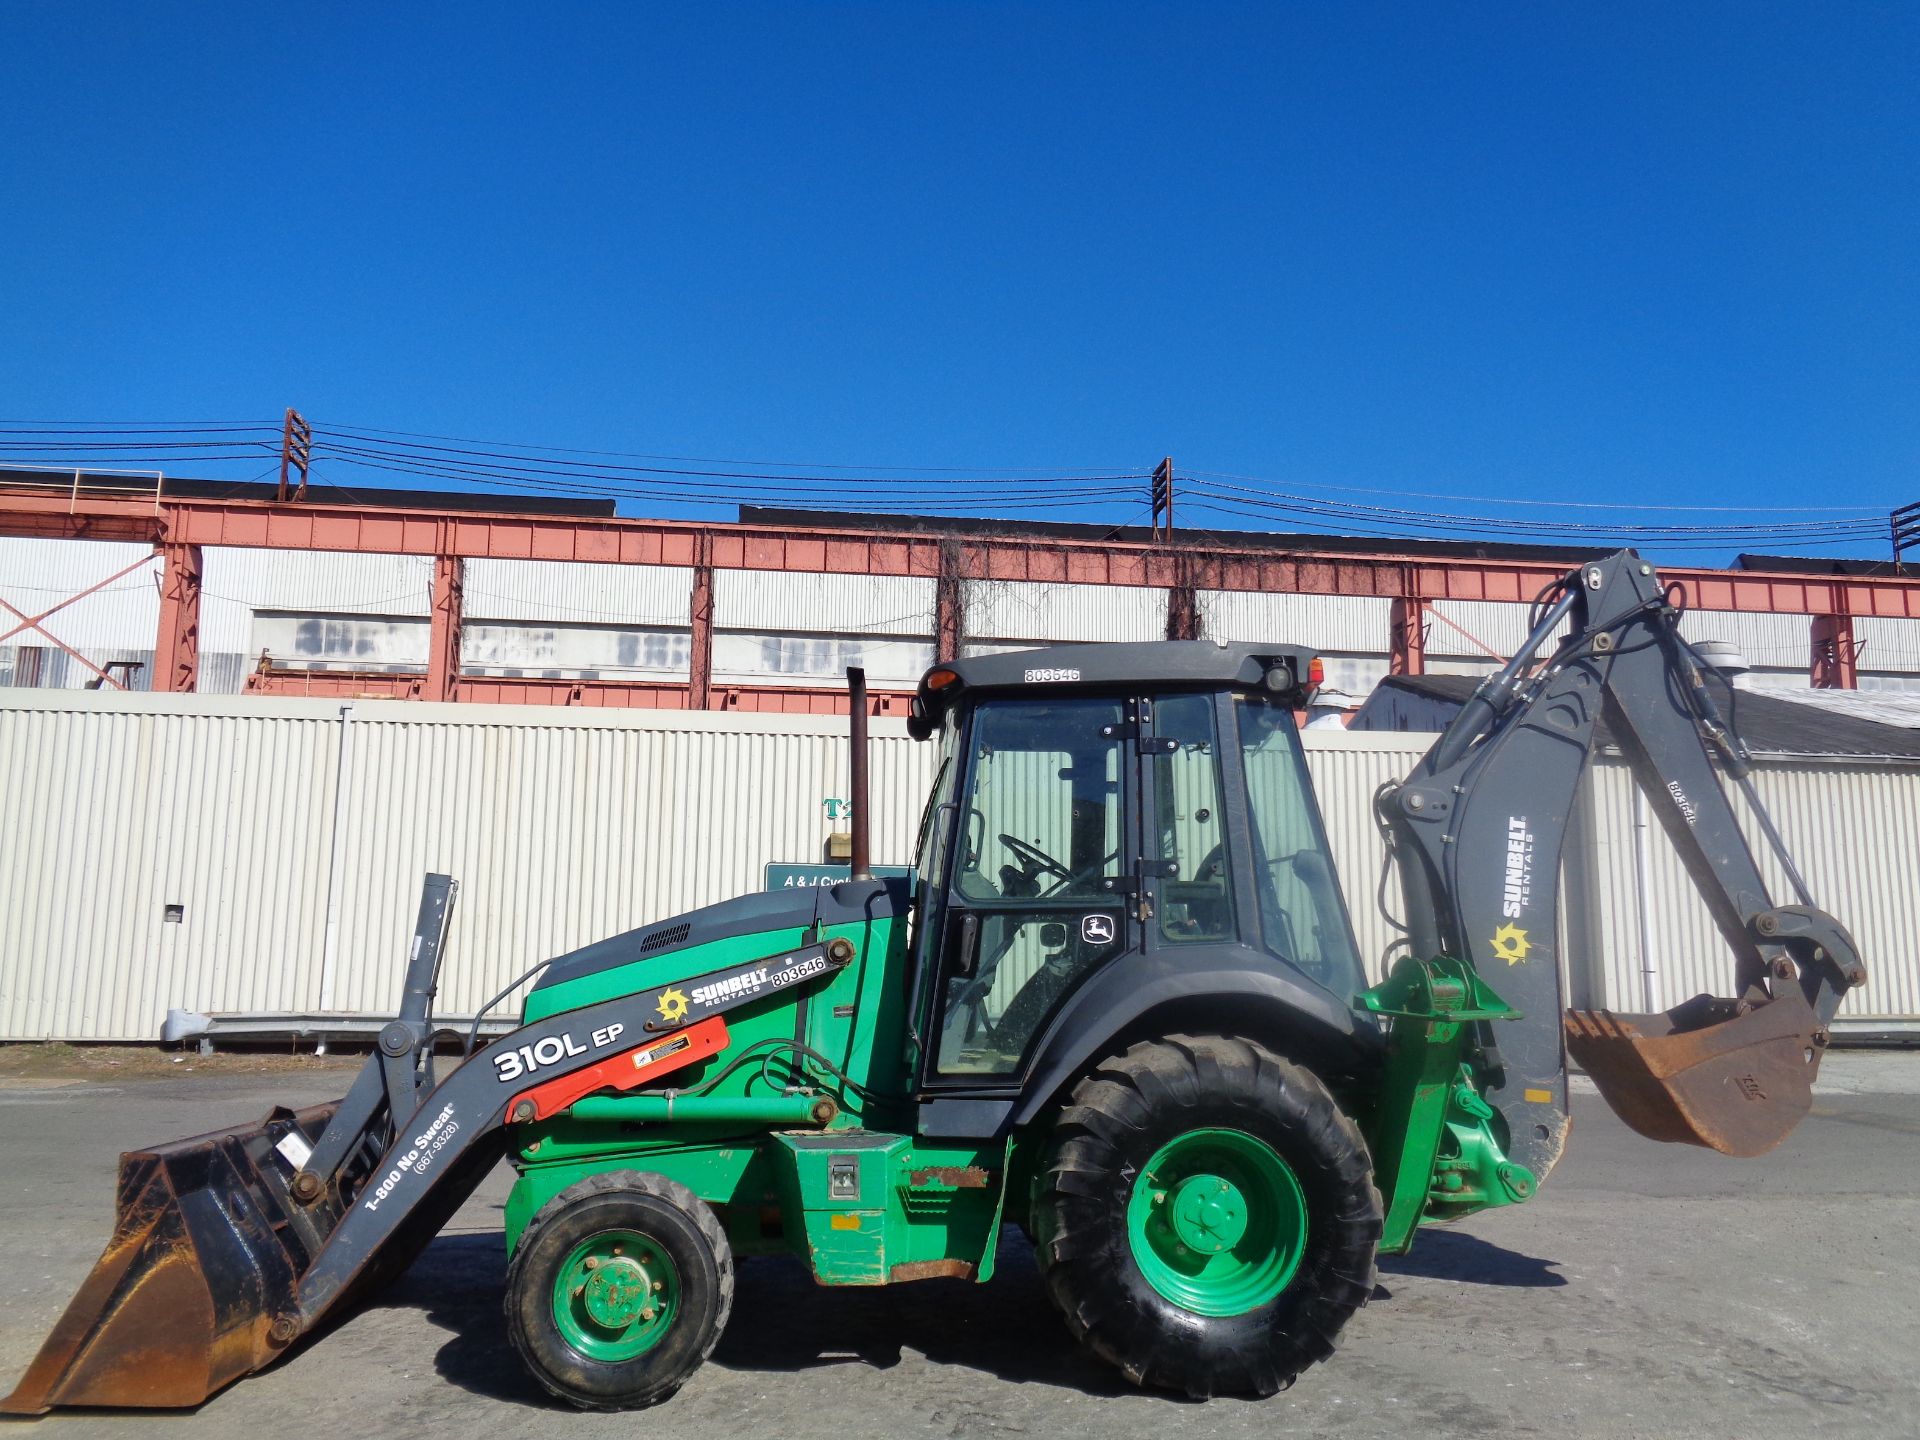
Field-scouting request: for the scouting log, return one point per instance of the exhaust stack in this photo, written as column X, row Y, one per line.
column 857, row 771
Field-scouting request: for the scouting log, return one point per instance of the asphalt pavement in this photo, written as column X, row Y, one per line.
column 1649, row 1290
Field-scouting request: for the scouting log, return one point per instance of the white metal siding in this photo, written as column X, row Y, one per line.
column 569, row 592
column 1479, row 629
column 38, row 574
column 118, row 806
column 1352, row 624
column 1855, row 833
column 1347, row 767
column 562, row 834
column 1025, row 610
column 561, row 828
column 319, row 581
column 1782, row 642
column 777, row 601
column 566, row 827
column 1887, row 644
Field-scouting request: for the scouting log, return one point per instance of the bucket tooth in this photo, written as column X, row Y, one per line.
column 1732, row 1077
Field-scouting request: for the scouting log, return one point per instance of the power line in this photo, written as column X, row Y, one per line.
column 692, row 482
column 1554, row 504
column 349, row 429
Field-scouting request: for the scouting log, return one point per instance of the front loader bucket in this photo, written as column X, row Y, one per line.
column 197, row 1286
column 1733, row 1078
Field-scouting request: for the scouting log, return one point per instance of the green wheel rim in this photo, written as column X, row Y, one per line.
column 1217, row 1222
column 616, row 1296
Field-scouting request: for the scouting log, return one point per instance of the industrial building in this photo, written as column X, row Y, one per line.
column 427, row 595
column 234, row 730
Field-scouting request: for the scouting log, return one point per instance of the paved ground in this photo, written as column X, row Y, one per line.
column 1649, row 1291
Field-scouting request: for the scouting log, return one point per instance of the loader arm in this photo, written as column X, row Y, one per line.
column 229, row 1247
column 1477, row 831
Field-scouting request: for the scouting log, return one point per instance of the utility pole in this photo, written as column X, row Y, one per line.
column 296, row 448
column 1162, row 497
column 1905, row 525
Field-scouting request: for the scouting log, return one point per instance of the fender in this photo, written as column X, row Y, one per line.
column 1220, row 985
column 1234, row 988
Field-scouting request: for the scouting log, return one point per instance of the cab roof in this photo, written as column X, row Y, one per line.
column 1152, row 663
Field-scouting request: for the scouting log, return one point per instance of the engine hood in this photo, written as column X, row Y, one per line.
column 851, row 902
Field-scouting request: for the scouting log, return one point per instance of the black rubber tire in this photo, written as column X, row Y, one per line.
column 1115, row 1121
column 669, row 1214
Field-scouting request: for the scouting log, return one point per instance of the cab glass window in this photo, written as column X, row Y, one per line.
column 1188, row 832
column 930, row 850
column 1040, row 826
column 1303, row 919
column 1041, row 816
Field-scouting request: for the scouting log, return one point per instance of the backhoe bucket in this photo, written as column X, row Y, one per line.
column 197, row 1286
column 1711, row 1072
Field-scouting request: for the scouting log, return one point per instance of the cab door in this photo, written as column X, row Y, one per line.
column 1038, row 883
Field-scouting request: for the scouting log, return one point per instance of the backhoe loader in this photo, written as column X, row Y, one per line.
column 1118, row 1003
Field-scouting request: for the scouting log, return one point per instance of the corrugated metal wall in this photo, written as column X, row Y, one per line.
column 118, row 806
column 1472, row 628
column 41, row 573
column 774, row 600
column 115, row 623
column 565, row 827
column 562, row 828
column 1000, row 610
column 318, row 581
column 1355, row 624
column 1854, row 830
column 571, row 592
column 1887, row 644
column 1782, row 642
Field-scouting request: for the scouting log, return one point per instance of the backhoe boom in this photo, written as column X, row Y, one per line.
column 1478, row 830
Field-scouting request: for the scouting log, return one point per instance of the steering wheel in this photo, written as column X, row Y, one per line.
column 1034, row 857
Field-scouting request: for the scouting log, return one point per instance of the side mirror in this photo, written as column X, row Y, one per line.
column 1053, row 934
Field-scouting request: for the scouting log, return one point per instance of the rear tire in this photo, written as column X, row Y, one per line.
column 619, row 1290
column 1205, row 1216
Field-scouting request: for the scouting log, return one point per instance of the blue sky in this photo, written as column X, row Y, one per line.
column 1612, row 254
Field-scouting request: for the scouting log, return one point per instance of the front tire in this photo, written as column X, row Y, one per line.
column 619, row 1290
column 1206, row 1217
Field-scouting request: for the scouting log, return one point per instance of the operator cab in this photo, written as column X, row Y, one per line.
column 1111, row 821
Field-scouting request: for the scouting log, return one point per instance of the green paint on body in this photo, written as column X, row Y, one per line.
column 928, row 1207
column 1436, row 1154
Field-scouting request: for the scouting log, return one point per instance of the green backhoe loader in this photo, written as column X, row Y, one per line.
column 1117, row 1003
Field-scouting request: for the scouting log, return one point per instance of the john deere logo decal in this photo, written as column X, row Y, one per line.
column 1510, row 944
column 673, row 1006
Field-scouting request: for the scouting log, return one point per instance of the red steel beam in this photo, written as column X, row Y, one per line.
column 700, row 628
column 257, row 524
column 176, row 651
column 1835, row 661
column 443, row 628
column 949, row 607
column 1407, row 637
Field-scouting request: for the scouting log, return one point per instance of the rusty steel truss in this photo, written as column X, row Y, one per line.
column 180, row 528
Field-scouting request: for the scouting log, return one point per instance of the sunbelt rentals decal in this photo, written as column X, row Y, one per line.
column 1510, row 941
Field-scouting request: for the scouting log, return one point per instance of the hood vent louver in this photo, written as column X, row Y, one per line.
column 667, row 935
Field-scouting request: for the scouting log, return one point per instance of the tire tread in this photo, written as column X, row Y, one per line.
column 622, row 1182
column 1124, row 1104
